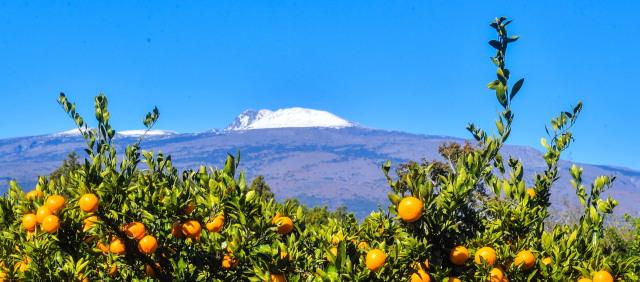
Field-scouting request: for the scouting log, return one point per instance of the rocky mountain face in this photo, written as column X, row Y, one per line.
column 321, row 160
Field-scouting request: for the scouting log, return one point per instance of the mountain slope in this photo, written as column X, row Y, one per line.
column 292, row 117
column 318, row 165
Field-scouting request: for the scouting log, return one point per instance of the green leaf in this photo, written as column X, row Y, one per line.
column 502, row 97
column 501, row 76
column 495, row 61
column 500, row 127
column 495, row 44
column 494, row 84
column 394, row 199
column 516, row 87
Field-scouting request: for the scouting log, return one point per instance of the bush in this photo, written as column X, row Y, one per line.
column 119, row 222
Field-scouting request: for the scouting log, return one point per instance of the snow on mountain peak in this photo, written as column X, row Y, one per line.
column 291, row 117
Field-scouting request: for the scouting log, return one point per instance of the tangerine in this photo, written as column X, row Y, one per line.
column 459, row 255
column 135, row 230
column 33, row 194
column 375, row 260
column 602, row 276
column 420, row 276
column 410, row 209
column 50, row 223
column 117, row 247
column 191, row 228
column 148, row 245
column 278, row 278
column 453, row 279
column 496, row 275
column 531, row 192
column 29, row 221
column 547, row 261
column 286, row 225
column 55, row 203
column 228, row 262
column 334, row 251
column 364, row 245
column 216, row 225
column 150, row 271
column 89, row 203
column 176, row 230
column 488, row 254
column 525, row 258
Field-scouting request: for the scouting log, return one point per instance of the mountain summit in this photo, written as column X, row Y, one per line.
column 292, row 117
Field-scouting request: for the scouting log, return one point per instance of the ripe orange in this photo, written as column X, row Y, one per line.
column 102, row 247
column 55, row 203
column 547, row 261
column 418, row 265
column 189, row 208
column 286, row 225
column 148, row 245
column 33, row 194
column 602, row 276
column 337, row 238
column 526, row 258
column 488, row 253
column 135, row 230
column 50, row 223
column 86, row 279
column 278, row 278
column 453, row 279
column 284, row 255
column 113, row 270
column 216, row 225
column 585, row 280
column 375, row 260
column 496, row 275
column 20, row 266
column 117, row 247
column 334, row 251
column 228, row 262
column 29, row 221
column 420, row 276
column 150, row 271
column 275, row 219
column 364, row 245
column 88, row 222
column 89, row 203
column 176, row 230
column 191, row 228
column 459, row 255
column 194, row 240
column 531, row 192
column 410, row 209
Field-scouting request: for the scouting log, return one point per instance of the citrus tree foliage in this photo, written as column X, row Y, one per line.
column 133, row 217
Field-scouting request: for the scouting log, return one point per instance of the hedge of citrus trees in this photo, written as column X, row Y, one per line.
column 115, row 219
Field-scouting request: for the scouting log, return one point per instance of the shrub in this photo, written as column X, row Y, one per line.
column 120, row 222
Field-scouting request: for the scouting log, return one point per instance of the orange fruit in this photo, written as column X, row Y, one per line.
column 505, row 279
column 277, row 278
column 50, row 223
column 496, row 275
column 410, row 209
column 113, row 270
column 228, row 262
column 20, row 266
column 488, row 253
column 150, row 271
column 275, row 219
column 585, row 280
column 189, row 208
column 88, row 222
column 29, row 221
column 283, row 255
column 148, row 245
column 33, row 194
column 83, row 280
column 191, row 228
column 418, row 265
column 55, row 203
column 531, row 192
column 194, row 240
column 229, row 244
column 375, row 260
column 602, row 276
column 176, row 230
column 453, row 279
column 547, row 261
column 216, row 224
column 334, row 251
column 364, row 245
column 459, row 255
column 135, row 230
column 286, row 225
column 117, row 247
column 88, row 203
column 102, row 247
column 337, row 238
column 526, row 258
column 420, row 276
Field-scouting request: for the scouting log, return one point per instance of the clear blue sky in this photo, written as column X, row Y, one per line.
column 415, row 66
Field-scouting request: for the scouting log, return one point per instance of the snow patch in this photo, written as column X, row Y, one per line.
column 292, row 117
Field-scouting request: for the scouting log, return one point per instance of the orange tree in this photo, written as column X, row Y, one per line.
column 114, row 219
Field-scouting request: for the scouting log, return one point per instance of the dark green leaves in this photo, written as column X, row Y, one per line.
column 495, row 44
column 502, row 96
column 516, row 88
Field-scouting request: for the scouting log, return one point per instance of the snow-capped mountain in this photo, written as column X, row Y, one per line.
column 291, row 117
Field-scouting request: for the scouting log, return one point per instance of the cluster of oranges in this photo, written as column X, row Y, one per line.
column 46, row 214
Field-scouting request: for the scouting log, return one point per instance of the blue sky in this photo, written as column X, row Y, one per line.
column 415, row 66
